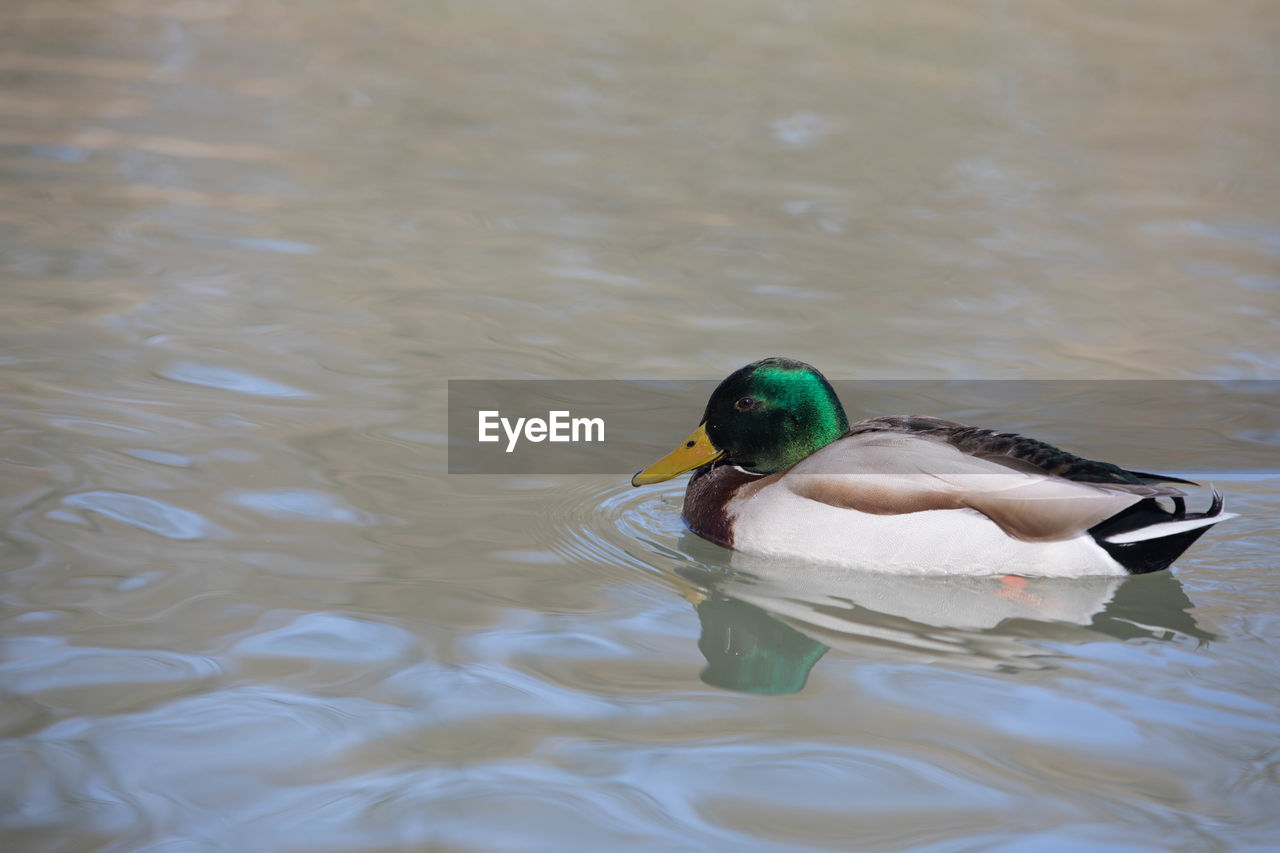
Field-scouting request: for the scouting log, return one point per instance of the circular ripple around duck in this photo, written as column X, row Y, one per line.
column 615, row 524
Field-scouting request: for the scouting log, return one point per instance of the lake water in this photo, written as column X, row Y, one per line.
column 244, row 246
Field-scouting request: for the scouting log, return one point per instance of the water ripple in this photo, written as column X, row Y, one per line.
column 149, row 514
column 305, row 504
column 330, row 637
column 229, row 379
column 52, row 671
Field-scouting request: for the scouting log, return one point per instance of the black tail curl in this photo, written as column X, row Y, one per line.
column 1152, row 555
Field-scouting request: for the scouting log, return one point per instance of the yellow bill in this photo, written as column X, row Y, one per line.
column 696, row 451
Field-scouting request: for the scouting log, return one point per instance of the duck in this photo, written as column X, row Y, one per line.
column 778, row 471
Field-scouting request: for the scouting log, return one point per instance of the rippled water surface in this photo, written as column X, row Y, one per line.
column 243, row 247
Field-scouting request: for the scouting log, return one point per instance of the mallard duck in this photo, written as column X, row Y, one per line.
column 781, row 472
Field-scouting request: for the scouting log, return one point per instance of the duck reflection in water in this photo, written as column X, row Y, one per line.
column 765, row 625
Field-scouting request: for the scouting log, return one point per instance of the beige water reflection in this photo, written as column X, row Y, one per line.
column 244, row 245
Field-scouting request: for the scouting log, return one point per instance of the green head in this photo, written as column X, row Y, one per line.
column 765, row 417
column 772, row 413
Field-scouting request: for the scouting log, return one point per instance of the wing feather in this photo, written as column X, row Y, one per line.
column 1017, row 452
column 889, row 473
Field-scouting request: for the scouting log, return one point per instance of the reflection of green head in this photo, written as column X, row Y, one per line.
column 749, row 651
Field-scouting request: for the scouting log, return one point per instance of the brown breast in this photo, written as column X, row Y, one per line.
column 706, row 498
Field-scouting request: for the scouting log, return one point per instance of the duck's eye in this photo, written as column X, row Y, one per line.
column 745, row 403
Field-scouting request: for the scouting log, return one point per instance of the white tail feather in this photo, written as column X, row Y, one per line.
column 1167, row 528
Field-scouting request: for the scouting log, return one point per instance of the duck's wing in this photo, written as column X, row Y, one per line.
column 890, row 473
column 1015, row 451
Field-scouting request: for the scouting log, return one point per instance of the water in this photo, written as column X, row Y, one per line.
column 244, row 245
